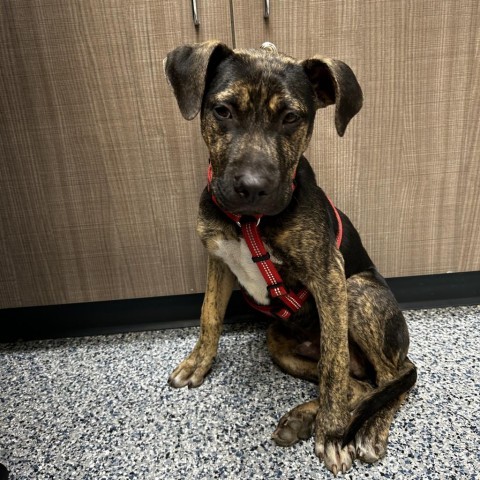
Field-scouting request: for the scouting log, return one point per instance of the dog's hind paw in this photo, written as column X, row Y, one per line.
column 370, row 445
column 368, row 452
column 296, row 425
column 372, row 439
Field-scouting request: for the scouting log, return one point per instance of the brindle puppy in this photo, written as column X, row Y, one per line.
column 257, row 114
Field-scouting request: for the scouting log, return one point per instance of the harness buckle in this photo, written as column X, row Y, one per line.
column 276, row 290
column 261, row 258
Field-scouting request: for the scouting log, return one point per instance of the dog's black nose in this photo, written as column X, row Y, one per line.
column 251, row 187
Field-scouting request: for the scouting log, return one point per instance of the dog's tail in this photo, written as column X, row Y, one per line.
column 379, row 399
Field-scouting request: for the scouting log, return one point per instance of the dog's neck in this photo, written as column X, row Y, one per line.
column 237, row 217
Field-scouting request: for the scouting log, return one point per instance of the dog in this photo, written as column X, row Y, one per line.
column 266, row 223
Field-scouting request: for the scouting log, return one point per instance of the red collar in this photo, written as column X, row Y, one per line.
column 290, row 301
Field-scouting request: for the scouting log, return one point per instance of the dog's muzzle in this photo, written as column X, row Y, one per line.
column 251, row 193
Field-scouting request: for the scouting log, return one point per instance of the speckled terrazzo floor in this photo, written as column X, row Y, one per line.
column 99, row 408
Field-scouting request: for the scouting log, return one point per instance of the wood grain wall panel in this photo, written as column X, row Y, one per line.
column 408, row 169
column 99, row 175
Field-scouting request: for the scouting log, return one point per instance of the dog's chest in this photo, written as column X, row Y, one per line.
column 237, row 256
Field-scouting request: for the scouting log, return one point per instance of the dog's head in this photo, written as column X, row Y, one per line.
column 257, row 113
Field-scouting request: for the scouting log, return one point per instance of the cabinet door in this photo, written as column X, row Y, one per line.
column 99, row 173
column 407, row 171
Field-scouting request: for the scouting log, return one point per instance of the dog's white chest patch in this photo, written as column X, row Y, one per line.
column 237, row 256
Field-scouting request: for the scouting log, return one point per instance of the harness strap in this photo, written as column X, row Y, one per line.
column 292, row 302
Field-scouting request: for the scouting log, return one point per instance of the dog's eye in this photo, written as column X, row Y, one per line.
column 290, row 118
column 222, row 112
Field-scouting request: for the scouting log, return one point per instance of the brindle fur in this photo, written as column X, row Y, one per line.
column 350, row 337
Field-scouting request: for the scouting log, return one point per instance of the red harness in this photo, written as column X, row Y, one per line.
column 290, row 301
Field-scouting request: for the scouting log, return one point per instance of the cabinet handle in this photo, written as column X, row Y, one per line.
column 266, row 12
column 196, row 21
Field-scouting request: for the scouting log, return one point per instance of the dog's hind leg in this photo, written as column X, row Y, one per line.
column 376, row 325
column 378, row 328
column 298, row 423
column 282, row 348
column 371, row 440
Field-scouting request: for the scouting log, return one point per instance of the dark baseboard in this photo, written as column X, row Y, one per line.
column 432, row 291
column 118, row 316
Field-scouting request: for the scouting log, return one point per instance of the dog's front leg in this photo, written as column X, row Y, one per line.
column 192, row 371
column 328, row 286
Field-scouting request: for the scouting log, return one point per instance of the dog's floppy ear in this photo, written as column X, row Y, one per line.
column 187, row 68
column 334, row 82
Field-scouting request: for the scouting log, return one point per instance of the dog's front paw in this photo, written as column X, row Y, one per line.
column 328, row 444
column 192, row 371
column 335, row 458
